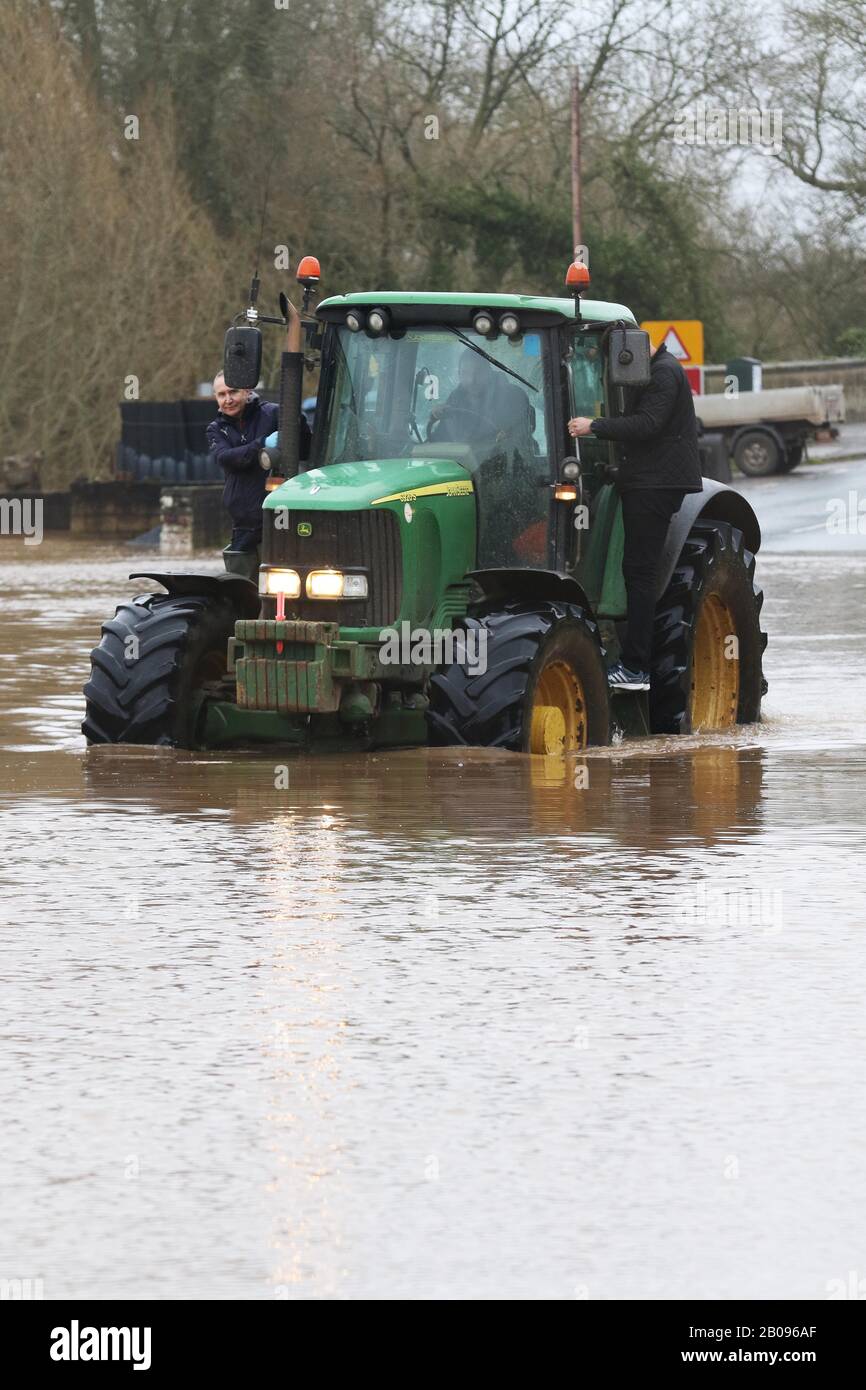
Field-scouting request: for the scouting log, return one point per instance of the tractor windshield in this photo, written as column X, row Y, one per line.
column 424, row 393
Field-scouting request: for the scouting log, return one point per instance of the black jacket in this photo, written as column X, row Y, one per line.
column 660, row 434
column 236, row 445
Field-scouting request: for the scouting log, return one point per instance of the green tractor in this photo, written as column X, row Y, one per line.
column 446, row 567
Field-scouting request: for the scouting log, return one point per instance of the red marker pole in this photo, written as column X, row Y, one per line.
column 281, row 617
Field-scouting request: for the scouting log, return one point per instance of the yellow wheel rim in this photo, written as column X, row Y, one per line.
column 715, row 688
column 558, row 711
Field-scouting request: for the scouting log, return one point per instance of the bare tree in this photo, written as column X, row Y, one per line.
column 820, row 82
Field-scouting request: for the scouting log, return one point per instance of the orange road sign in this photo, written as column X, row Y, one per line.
column 682, row 337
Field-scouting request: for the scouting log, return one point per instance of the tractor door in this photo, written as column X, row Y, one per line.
column 597, row 518
column 516, row 461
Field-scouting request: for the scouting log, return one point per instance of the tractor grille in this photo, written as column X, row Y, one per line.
column 366, row 539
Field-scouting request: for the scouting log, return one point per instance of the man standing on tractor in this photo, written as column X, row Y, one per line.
column 658, row 466
column 236, row 439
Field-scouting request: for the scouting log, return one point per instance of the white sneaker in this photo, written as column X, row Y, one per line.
column 619, row 677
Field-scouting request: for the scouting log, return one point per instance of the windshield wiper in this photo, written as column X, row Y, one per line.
column 481, row 353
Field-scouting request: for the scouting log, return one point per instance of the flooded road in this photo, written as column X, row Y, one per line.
column 434, row 1023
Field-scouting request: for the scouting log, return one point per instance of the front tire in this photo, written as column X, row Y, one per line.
column 544, row 689
column 148, row 671
column 707, row 644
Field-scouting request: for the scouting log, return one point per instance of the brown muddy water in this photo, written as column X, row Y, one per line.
column 433, row 1023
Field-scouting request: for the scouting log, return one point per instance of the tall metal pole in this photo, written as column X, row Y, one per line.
column 576, row 223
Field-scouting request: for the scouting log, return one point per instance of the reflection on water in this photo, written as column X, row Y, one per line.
column 433, row 1022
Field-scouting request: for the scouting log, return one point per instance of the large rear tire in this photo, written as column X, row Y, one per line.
column 544, row 689
column 148, row 671
column 708, row 644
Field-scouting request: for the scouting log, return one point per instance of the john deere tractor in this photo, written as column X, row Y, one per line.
column 446, row 567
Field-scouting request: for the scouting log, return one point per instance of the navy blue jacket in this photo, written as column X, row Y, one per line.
column 235, row 444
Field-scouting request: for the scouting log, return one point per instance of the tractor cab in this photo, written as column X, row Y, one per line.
column 487, row 385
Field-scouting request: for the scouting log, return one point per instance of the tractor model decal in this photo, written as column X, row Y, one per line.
column 453, row 489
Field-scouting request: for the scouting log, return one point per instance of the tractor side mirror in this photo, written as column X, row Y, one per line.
column 242, row 357
column 628, row 357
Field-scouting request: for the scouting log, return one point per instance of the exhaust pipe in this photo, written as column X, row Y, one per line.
column 291, row 386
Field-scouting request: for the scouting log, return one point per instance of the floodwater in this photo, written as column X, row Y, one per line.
column 433, row 1023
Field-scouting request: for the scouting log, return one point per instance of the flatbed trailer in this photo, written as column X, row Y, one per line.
column 766, row 432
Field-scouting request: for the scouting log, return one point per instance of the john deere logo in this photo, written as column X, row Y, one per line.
column 305, row 528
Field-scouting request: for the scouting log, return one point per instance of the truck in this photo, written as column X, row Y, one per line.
column 766, row 432
column 446, row 566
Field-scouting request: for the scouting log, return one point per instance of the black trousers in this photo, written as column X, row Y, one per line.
column 246, row 537
column 646, row 513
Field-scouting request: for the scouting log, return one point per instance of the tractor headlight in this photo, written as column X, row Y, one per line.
column 377, row 322
column 336, row 584
column 483, row 323
column 274, row 581
column 354, row 321
column 509, row 325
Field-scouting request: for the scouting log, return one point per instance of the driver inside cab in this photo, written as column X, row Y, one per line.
column 484, row 408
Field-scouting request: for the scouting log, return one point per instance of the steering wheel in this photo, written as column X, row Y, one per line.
column 476, row 416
